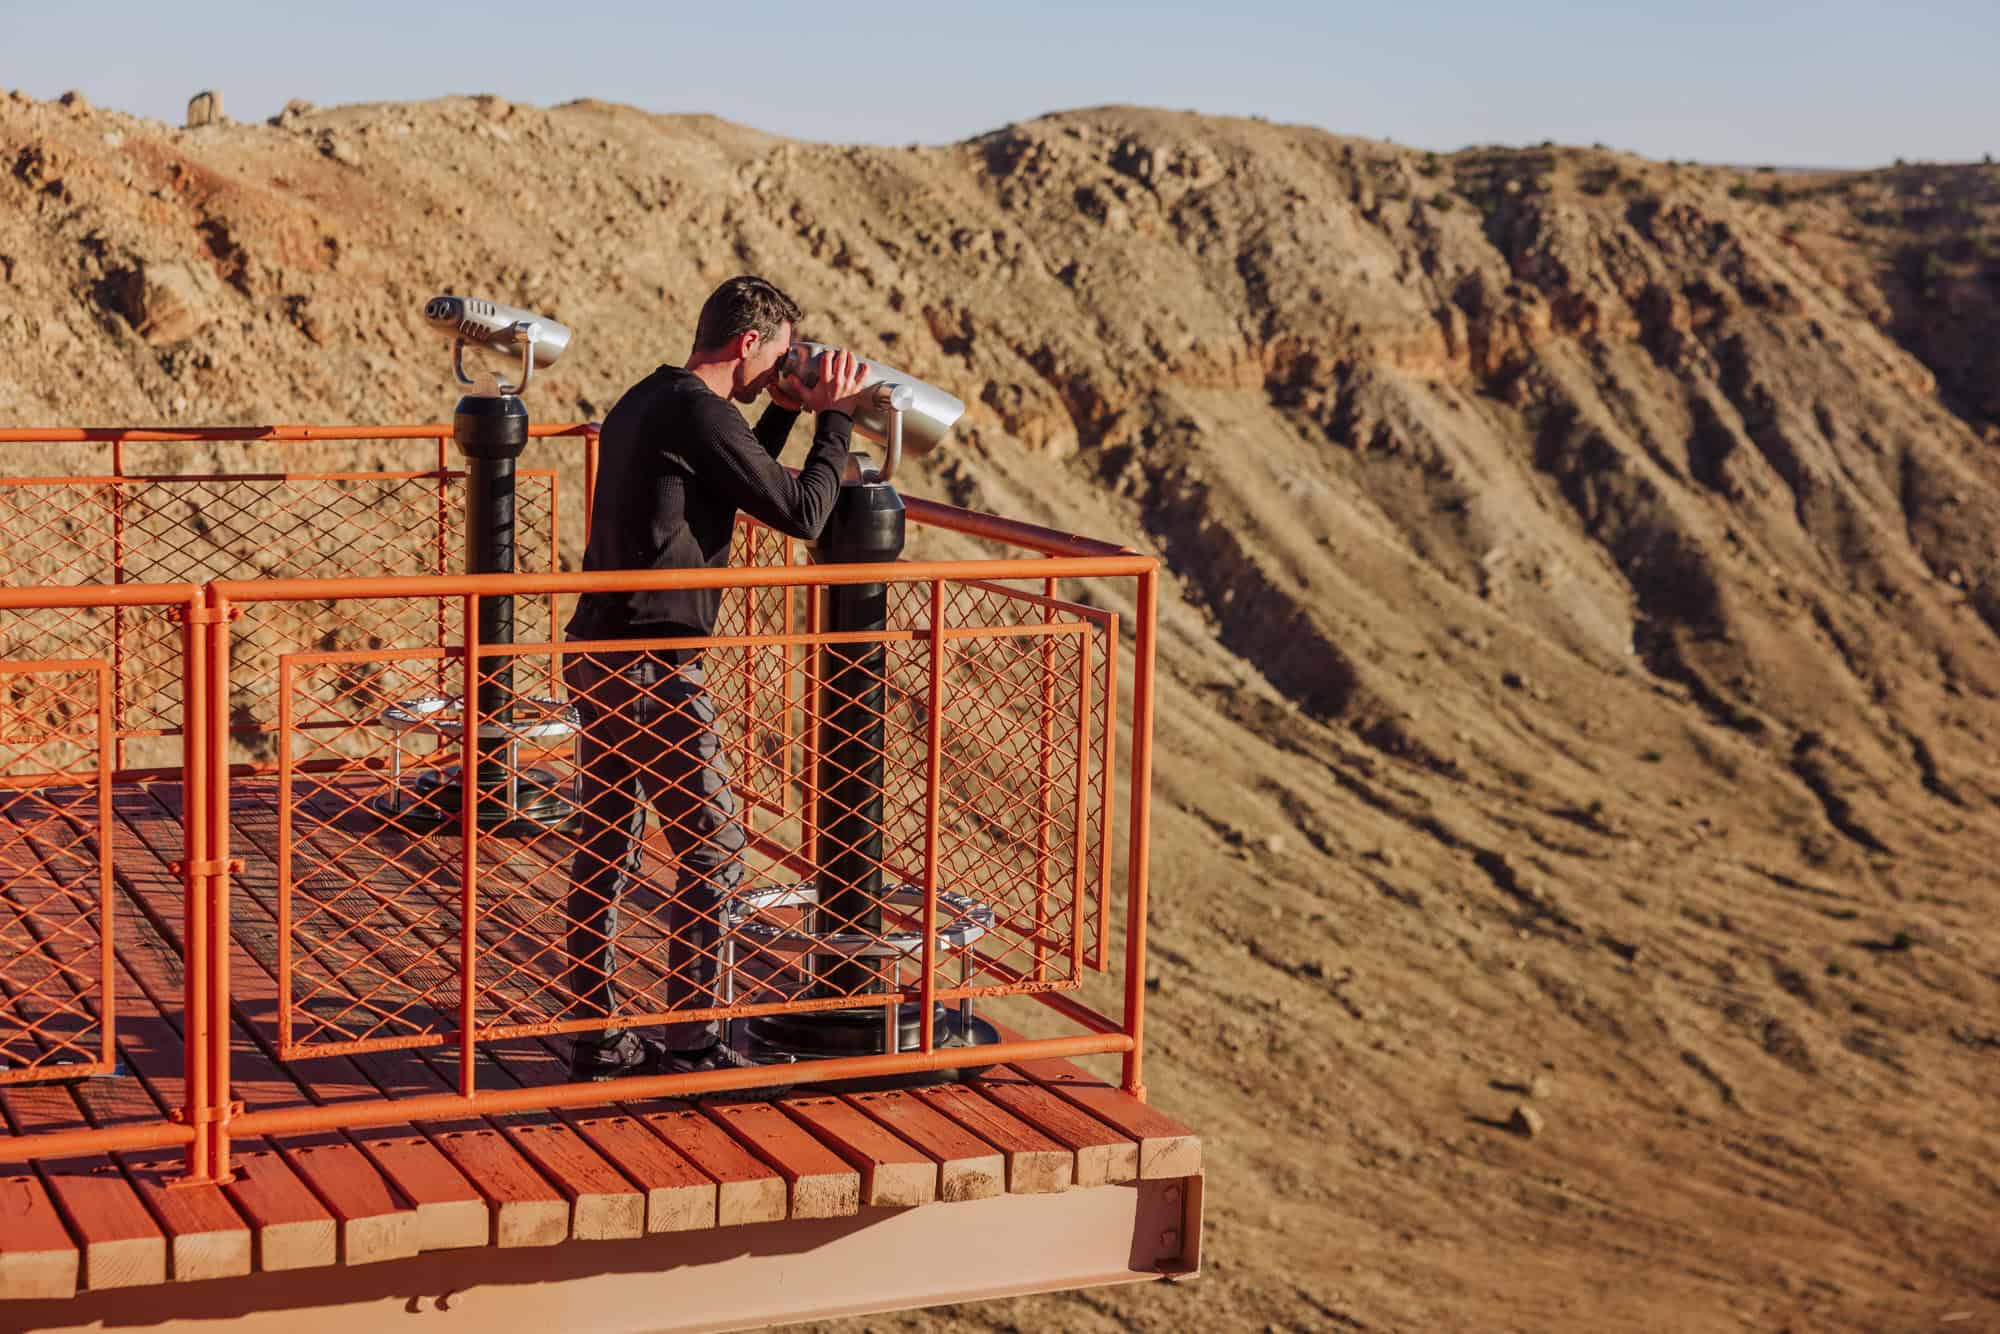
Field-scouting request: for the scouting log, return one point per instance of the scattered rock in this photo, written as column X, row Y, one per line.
column 1525, row 1122
column 204, row 108
column 163, row 302
column 1275, row 844
column 294, row 111
column 338, row 149
column 1541, row 1086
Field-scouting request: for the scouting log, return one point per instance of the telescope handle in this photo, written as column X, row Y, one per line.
column 894, row 400
column 525, row 334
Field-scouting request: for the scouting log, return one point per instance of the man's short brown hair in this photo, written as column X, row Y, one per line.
column 739, row 305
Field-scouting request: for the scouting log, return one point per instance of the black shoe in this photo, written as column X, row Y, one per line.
column 715, row 1056
column 593, row 1060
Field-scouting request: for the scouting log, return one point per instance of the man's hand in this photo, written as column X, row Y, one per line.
column 781, row 395
column 839, row 387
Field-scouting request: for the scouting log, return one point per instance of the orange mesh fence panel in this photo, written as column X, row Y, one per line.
column 367, row 905
column 669, row 860
column 56, row 909
column 198, row 528
column 368, row 526
column 761, row 690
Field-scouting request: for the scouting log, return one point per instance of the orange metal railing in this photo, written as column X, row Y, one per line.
column 381, row 913
column 131, row 510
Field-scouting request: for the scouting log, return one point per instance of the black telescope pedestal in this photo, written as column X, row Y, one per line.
column 491, row 430
column 866, row 527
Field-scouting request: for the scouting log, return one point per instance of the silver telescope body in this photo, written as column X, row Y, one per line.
column 536, row 339
column 908, row 415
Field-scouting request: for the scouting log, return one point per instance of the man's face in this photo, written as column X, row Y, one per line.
column 760, row 362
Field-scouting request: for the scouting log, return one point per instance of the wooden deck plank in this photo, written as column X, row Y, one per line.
column 747, row 1189
column 604, row 1205
column 893, row 1173
column 437, row 1208
column 1036, row 1164
column 672, row 1195
column 120, row 1244
column 290, row 1228
column 1103, row 1155
column 37, row 1256
column 1167, row 1147
column 679, row 1196
column 604, row 1202
column 822, row 1184
column 375, row 1222
column 206, row 1237
column 450, row 1212
column 293, row 1230
column 968, row 1167
column 527, row 1210
column 522, row 1208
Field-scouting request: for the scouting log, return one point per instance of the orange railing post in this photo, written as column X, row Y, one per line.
column 195, row 796
column 1045, row 726
column 117, row 612
column 216, row 615
column 933, row 801
column 1141, row 821
column 442, row 554
column 468, row 810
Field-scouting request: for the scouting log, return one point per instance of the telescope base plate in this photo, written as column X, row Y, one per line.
column 431, row 803
column 782, row 1039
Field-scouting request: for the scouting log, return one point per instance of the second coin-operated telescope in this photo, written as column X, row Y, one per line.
column 490, row 424
column 536, row 339
column 908, row 416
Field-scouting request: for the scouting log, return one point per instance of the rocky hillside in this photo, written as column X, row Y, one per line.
column 1581, row 649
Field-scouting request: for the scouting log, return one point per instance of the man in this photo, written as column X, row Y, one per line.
column 675, row 463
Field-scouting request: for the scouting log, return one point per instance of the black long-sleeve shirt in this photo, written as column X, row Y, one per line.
column 675, row 462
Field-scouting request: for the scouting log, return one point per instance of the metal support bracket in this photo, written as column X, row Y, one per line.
column 203, row 615
column 207, row 868
column 204, row 1115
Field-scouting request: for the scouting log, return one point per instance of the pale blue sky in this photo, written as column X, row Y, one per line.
column 1840, row 82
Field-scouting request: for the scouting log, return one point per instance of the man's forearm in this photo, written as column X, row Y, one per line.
column 775, row 427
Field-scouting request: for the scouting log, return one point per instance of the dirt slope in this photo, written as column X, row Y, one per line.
column 1581, row 653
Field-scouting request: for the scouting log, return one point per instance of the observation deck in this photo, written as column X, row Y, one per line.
column 280, row 1011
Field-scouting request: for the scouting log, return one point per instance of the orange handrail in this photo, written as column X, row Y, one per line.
column 988, row 651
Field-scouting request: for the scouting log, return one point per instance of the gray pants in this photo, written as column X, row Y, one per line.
column 648, row 737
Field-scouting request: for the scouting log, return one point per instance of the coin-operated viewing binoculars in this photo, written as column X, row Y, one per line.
column 536, row 339
column 491, row 427
column 907, row 417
